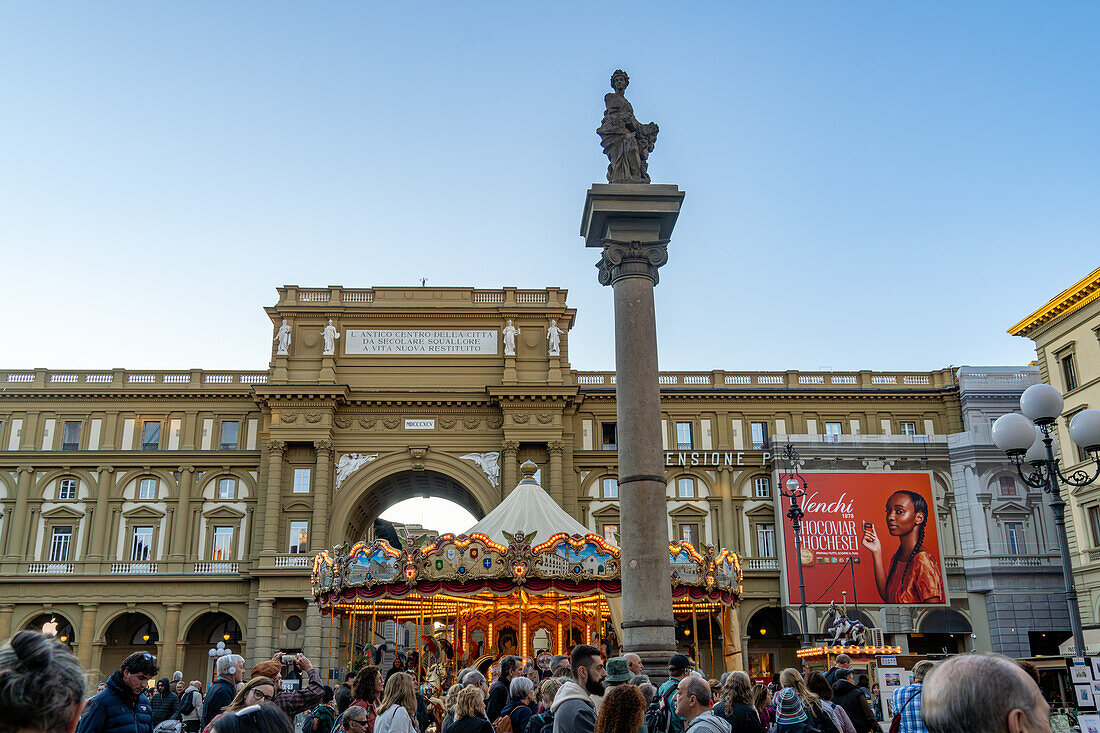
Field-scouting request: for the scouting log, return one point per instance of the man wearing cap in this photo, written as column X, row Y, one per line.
column 678, row 667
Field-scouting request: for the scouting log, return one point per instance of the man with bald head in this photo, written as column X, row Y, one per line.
column 983, row 693
column 633, row 663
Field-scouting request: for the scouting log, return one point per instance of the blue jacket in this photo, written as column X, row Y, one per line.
column 220, row 694
column 117, row 710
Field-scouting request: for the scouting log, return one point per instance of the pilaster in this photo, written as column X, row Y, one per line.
column 104, row 488
column 180, row 552
column 85, row 642
column 19, row 520
column 509, row 453
column 556, row 448
column 276, row 451
column 6, row 611
column 265, row 630
column 322, row 490
column 169, row 661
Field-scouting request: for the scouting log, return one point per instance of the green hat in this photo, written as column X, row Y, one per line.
column 617, row 671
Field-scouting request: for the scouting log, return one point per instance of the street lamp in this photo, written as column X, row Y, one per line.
column 214, row 652
column 793, row 486
column 1029, row 438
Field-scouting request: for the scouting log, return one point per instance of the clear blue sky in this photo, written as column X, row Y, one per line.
column 869, row 185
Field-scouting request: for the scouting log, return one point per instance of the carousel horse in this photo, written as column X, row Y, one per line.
column 836, row 620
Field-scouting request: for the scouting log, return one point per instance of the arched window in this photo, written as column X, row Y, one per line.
column 227, row 488
column 685, row 488
column 147, row 488
column 66, row 489
column 610, row 488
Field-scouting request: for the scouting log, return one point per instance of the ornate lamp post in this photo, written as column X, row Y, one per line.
column 1029, row 438
column 214, row 652
column 792, row 485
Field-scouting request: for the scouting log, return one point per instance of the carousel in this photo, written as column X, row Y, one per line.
column 528, row 580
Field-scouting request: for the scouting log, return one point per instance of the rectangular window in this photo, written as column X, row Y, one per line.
column 230, row 428
column 908, row 428
column 1014, row 531
column 609, row 532
column 832, row 432
column 683, row 436
column 762, row 487
column 227, row 488
column 1069, row 372
column 690, row 532
column 1007, row 485
column 222, row 545
column 299, row 538
column 685, row 488
column 610, row 488
column 142, row 548
column 301, row 480
column 59, row 544
column 610, row 436
column 765, row 540
column 147, row 488
column 150, row 435
column 66, row 489
column 759, row 435
column 1094, row 524
column 70, row 435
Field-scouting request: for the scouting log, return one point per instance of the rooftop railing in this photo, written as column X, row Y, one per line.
column 790, row 379
column 74, row 379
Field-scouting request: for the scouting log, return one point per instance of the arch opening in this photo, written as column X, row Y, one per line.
column 405, row 496
column 53, row 624
column 204, row 633
column 130, row 632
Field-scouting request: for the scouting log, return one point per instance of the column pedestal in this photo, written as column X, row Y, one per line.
column 553, row 376
column 328, row 369
column 633, row 223
column 510, row 376
column 279, row 372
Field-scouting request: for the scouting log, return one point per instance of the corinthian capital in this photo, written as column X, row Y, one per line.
column 276, row 447
column 555, row 447
column 626, row 259
column 323, row 447
column 509, row 448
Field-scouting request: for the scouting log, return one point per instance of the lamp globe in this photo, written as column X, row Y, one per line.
column 1042, row 403
column 792, row 484
column 1084, row 429
column 1038, row 450
column 1013, row 433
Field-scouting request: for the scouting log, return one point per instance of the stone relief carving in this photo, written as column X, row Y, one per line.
column 488, row 462
column 367, row 422
column 276, row 446
column 626, row 142
column 283, row 337
column 391, row 422
column 323, row 447
column 521, row 418
column 342, row 422
column 417, row 455
column 545, row 418
column 330, row 334
column 288, row 417
column 447, row 422
column 313, row 417
column 470, row 422
column 553, row 336
column 509, row 332
column 494, row 423
column 349, row 463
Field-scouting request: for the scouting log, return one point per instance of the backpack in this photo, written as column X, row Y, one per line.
column 541, row 723
column 658, row 718
column 503, row 724
column 308, row 720
column 188, row 705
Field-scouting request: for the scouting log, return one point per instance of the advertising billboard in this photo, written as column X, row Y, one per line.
column 885, row 521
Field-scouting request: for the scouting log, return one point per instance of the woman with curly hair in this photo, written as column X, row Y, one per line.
column 368, row 693
column 623, row 710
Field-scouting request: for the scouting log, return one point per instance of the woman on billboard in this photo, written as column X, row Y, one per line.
column 914, row 575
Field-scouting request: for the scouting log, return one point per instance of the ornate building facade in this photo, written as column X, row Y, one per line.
column 175, row 509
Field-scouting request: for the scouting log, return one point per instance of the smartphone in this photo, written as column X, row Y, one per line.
column 867, row 526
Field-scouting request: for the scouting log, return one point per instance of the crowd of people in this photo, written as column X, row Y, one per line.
column 42, row 690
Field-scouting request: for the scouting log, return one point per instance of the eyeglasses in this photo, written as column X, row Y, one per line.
column 360, row 721
column 262, row 696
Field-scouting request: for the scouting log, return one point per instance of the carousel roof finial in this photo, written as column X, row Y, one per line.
column 528, row 469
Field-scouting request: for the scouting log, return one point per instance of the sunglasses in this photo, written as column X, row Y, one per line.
column 360, row 721
column 149, row 656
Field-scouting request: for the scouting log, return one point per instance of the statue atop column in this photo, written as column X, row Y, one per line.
column 510, row 332
column 283, row 338
column 626, row 142
column 553, row 336
column 330, row 334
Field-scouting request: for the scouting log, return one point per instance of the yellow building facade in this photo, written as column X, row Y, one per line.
column 175, row 509
column 1066, row 332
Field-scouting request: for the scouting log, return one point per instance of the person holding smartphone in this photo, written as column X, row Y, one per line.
column 914, row 575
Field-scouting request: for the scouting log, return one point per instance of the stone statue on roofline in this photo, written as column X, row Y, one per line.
column 626, row 142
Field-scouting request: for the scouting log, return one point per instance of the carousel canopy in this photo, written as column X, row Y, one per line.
column 530, row 510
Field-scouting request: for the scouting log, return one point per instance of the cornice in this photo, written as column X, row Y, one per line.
column 1075, row 297
column 772, row 394
column 336, row 393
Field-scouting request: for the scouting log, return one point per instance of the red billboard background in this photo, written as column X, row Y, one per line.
column 844, row 514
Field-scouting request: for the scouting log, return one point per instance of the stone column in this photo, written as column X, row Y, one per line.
column 6, row 611
column 264, row 636
column 19, row 521
column 317, row 637
column 104, row 488
column 633, row 224
column 556, row 448
column 180, row 552
column 731, row 640
column 170, row 661
column 318, row 537
column 85, row 642
column 276, row 449
column 509, row 467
